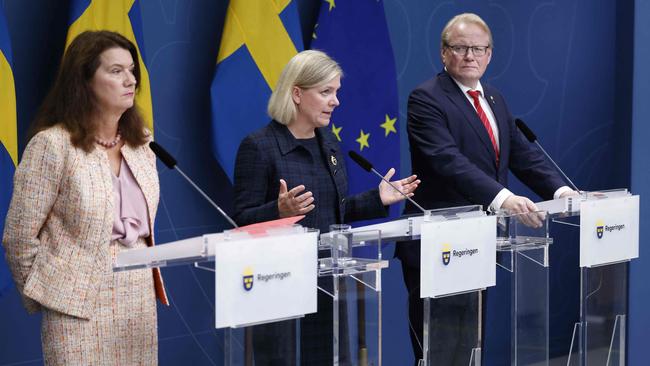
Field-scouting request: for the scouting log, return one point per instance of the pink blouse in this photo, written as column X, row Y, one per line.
column 131, row 217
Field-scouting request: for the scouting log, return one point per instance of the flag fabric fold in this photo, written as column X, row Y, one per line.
column 121, row 16
column 258, row 40
column 355, row 34
column 8, row 139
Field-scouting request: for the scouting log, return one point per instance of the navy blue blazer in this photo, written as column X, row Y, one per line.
column 272, row 153
column 452, row 154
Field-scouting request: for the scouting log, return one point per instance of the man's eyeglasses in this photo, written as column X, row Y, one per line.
column 459, row 50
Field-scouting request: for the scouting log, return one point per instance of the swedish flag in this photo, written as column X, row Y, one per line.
column 121, row 16
column 355, row 34
column 259, row 37
column 8, row 138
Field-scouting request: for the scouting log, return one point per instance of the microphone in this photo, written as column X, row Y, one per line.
column 530, row 136
column 170, row 162
column 367, row 166
column 163, row 155
column 528, row 133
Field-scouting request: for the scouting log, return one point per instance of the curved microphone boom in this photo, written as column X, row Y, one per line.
column 367, row 166
column 530, row 136
column 170, row 162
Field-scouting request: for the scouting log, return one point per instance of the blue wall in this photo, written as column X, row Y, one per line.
column 564, row 66
column 640, row 269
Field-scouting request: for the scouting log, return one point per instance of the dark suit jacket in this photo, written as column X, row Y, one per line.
column 452, row 154
column 272, row 153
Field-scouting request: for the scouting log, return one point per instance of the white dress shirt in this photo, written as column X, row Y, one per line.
column 504, row 193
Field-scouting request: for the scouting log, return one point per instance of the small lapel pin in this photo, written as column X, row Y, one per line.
column 492, row 99
column 333, row 159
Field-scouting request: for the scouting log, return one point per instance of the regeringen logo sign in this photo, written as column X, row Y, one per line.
column 249, row 277
column 273, row 276
column 448, row 253
column 464, row 252
column 601, row 228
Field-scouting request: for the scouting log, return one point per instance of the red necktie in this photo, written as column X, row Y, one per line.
column 486, row 123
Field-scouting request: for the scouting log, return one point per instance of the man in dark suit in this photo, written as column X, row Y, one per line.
column 463, row 141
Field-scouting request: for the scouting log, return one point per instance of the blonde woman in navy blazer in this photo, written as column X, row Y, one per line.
column 85, row 189
column 276, row 172
column 294, row 166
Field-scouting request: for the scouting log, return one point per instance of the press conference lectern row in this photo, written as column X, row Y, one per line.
column 266, row 279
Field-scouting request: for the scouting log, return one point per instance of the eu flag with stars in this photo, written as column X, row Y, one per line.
column 355, row 34
column 8, row 139
column 259, row 38
column 123, row 17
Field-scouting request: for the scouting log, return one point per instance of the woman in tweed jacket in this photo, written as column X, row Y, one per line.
column 85, row 189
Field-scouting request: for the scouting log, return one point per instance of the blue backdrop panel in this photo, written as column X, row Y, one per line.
column 564, row 67
column 639, row 318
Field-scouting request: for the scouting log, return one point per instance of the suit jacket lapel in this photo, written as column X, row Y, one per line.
column 286, row 141
column 287, row 144
column 501, row 116
column 335, row 164
column 330, row 151
column 456, row 96
column 141, row 172
column 146, row 176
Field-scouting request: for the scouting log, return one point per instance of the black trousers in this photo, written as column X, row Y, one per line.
column 453, row 324
column 274, row 343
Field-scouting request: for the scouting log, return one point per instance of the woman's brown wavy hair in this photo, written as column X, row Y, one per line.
column 72, row 103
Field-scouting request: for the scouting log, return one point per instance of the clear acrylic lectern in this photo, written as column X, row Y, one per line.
column 355, row 291
column 608, row 223
column 522, row 251
column 276, row 267
column 458, row 251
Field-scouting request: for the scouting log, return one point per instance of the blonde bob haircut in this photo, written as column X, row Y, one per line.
column 467, row 18
column 307, row 69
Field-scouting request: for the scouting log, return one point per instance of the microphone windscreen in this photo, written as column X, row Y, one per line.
column 162, row 154
column 530, row 136
column 365, row 164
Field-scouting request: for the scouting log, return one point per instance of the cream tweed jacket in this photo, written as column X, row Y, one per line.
column 60, row 219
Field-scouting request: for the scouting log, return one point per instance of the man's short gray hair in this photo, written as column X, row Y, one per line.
column 467, row 18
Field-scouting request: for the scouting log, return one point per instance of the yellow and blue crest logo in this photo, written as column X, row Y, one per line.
column 600, row 229
column 247, row 278
column 446, row 254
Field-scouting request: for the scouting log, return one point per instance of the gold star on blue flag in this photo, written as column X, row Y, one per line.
column 363, row 140
column 337, row 131
column 389, row 125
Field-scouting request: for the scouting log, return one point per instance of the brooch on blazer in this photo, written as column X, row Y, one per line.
column 333, row 160
column 492, row 100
